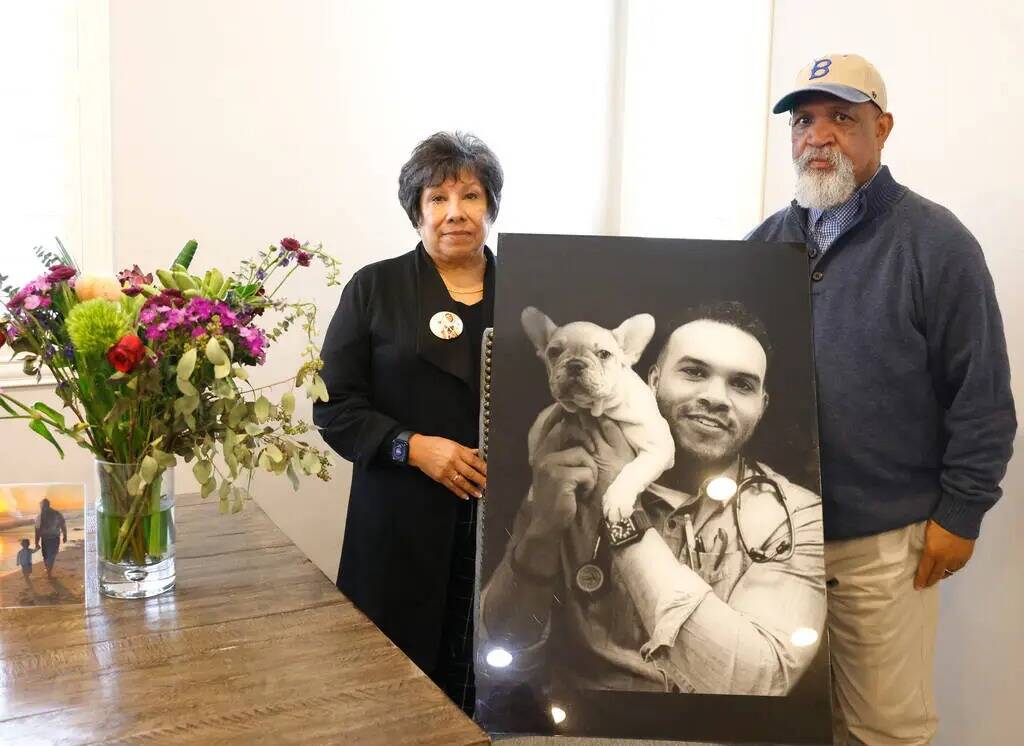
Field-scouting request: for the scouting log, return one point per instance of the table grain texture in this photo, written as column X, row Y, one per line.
column 253, row 646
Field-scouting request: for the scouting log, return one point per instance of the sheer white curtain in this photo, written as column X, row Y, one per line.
column 54, row 139
column 37, row 61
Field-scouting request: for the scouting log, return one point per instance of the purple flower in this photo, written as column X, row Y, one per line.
column 60, row 273
column 175, row 317
column 198, row 332
column 36, row 301
column 132, row 280
column 199, row 309
column 261, row 275
column 254, row 340
column 148, row 315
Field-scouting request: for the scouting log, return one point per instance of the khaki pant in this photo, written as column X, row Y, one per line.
column 882, row 640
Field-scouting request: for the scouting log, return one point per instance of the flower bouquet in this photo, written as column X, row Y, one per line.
column 152, row 371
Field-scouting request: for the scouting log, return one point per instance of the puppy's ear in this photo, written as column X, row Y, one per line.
column 633, row 334
column 538, row 327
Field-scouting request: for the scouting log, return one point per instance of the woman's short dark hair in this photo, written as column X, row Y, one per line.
column 445, row 155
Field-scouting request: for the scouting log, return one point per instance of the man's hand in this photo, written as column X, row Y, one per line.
column 557, row 479
column 942, row 551
column 458, row 468
column 606, row 443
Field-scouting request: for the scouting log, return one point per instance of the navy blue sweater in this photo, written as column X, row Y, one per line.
column 914, row 403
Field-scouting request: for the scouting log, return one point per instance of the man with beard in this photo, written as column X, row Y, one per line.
column 916, row 413
column 690, row 603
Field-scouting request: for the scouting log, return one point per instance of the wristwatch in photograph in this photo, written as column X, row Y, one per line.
column 628, row 530
column 400, row 447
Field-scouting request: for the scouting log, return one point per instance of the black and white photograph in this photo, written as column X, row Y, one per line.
column 651, row 554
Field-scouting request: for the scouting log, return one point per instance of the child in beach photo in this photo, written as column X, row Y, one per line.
column 42, row 524
column 25, row 561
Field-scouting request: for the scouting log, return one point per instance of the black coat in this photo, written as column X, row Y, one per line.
column 386, row 372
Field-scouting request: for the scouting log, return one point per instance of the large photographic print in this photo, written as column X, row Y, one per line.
column 651, row 556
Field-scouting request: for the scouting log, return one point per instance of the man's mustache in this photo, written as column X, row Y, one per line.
column 832, row 155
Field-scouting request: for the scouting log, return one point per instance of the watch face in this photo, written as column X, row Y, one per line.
column 622, row 531
column 399, row 450
column 589, row 578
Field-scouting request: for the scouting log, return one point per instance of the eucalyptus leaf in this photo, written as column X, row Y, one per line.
column 237, row 414
column 319, row 388
column 148, row 469
column 187, row 364
column 292, row 477
column 274, row 452
column 207, row 488
column 215, row 353
column 202, row 470
column 135, row 485
column 262, row 409
column 288, row 403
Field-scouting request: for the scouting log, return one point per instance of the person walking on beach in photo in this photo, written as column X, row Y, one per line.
column 50, row 528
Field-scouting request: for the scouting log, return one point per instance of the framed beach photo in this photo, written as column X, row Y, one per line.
column 42, row 545
column 651, row 552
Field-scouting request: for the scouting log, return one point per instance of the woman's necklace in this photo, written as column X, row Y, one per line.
column 463, row 291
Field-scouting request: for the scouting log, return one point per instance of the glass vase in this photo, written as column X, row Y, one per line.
column 134, row 533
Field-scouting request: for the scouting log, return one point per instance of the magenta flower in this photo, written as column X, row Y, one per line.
column 60, row 273
column 303, row 259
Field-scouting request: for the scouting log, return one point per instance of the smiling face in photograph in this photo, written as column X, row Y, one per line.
column 454, row 222
column 709, row 383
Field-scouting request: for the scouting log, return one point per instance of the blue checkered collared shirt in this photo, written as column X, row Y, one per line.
column 826, row 225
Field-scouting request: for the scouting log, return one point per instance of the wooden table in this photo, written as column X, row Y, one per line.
column 254, row 645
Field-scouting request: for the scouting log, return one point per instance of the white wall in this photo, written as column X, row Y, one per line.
column 696, row 83
column 952, row 74
column 238, row 123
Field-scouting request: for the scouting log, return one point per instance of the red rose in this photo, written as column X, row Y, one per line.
column 290, row 244
column 3, row 336
column 127, row 353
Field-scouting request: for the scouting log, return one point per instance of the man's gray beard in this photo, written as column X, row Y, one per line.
column 824, row 189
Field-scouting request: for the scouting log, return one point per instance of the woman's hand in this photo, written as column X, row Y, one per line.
column 458, row 468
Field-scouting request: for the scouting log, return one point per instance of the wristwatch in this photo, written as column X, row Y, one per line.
column 628, row 530
column 400, row 447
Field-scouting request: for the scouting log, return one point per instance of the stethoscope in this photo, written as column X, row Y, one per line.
column 590, row 576
column 768, row 551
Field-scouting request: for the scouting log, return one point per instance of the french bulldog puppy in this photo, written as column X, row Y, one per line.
column 590, row 368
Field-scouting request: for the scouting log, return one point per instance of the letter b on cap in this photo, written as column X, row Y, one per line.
column 820, row 69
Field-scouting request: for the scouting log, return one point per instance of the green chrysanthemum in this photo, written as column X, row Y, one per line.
column 95, row 325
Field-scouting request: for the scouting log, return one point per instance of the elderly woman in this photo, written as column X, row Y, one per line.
column 402, row 367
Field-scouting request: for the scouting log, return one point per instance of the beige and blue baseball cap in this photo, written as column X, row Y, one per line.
column 848, row 76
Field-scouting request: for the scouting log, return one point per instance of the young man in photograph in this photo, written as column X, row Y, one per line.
column 686, row 600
